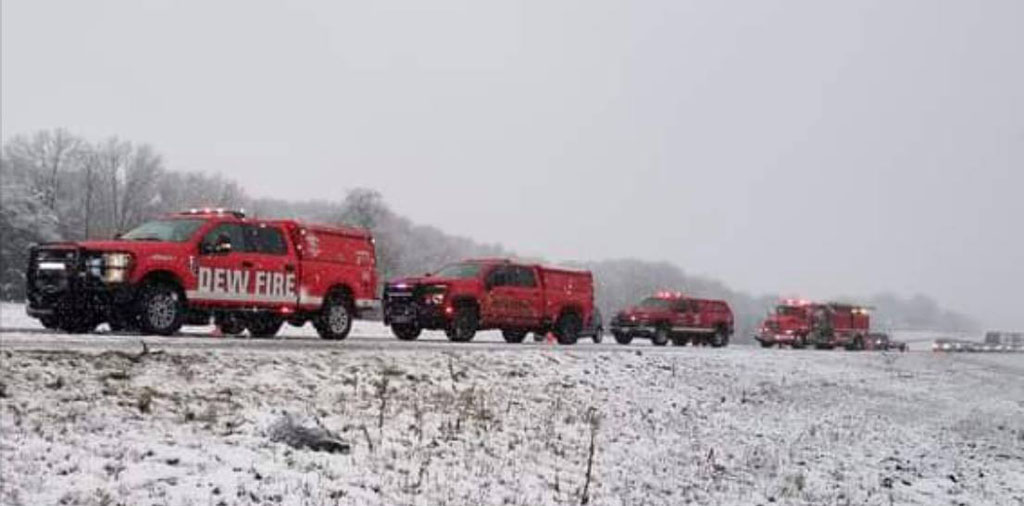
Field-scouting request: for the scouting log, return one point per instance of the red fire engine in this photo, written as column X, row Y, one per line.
column 800, row 323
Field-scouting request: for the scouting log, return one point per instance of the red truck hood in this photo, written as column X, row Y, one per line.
column 416, row 280
column 434, row 280
column 643, row 313
column 136, row 247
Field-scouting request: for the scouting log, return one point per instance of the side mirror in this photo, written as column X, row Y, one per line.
column 222, row 246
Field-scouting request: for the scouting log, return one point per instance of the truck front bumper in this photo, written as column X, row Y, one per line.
column 78, row 295
column 425, row 316
column 642, row 330
column 776, row 338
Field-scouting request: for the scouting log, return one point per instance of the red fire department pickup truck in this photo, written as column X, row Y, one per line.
column 800, row 323
column 673, row 316
column 473, row 295
column 190, row 267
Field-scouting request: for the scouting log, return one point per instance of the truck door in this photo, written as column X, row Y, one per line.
column 529, row 296
column 500, row 296
column 698, row 314
column 225, row 265
column 682, row 319
column 275, row 266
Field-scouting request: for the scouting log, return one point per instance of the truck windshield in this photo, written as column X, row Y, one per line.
column 459, row 271
column 164, row 231
column 789, row 311
column 655, row 303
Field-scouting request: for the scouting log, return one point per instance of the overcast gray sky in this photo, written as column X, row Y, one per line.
column 809, row 148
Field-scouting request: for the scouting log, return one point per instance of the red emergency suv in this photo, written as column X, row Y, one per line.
column 516, row 298
column 800, row 323
column 191, row 267
column 671, row 316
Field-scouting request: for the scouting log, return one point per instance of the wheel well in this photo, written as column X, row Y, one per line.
column 573, row 310
column 466, row 301
column 164, row 277
column 345, row 291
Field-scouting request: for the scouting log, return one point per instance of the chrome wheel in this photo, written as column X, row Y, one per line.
column 335, row 319
column 338, row 318
column 163, row 310
column 160, row 309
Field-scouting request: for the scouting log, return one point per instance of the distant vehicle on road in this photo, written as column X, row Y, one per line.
column 953, row 345
column 203, row 264
column 473, row 295
column 881, row 341
column 994, row 342
column 671, row 316
column 1005, row 341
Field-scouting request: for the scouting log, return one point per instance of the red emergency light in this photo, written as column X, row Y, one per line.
column 665, row 294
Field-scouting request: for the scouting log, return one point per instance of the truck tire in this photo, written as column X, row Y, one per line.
column 406, row 331
column 123, row 322
column 263, row 326
column 513, row 336
column 161, row 309
column 77, row 323
column 567, row 330
column 857, row 344
column 769, row 344
column 720, row 339
column 230, row 326
column 660, row 337
column 800, row 342
column 598, row 335
column 49, row 322
column 335, row 319
column 680, row 340
column 622, row 337
column 464, row 325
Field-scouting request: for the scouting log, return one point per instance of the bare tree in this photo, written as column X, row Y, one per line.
column 363, row 208
column 141, row 174
column 112, row 157
column 49, row 153
column 90, row 164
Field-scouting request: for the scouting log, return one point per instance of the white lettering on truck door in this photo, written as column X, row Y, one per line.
column 234, row 285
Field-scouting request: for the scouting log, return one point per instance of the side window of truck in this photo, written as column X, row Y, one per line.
column 525, row 277
column 232, row 231
column 266, row 240
column 500, row 276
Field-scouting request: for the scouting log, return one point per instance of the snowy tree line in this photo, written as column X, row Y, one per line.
column 57, row 186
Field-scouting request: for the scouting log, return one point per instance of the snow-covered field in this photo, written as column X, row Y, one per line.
column 90, row 420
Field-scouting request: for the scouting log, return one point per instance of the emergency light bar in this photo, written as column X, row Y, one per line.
column 664, row 294
column 239, row 213
column 796, row 302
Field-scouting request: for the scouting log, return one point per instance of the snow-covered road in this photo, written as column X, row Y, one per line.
column 84, row 420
